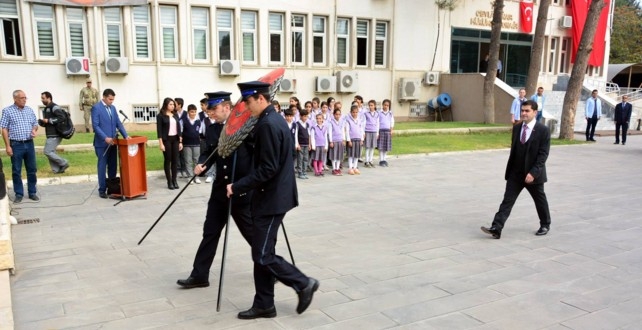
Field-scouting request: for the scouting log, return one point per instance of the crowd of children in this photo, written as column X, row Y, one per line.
column 323, row 134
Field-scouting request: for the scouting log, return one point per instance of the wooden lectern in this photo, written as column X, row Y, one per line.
column 133, row 172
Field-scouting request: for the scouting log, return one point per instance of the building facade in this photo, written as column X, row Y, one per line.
column 379, row 49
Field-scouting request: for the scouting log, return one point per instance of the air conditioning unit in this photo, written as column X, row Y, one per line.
column 347, row 81
column 230, row 68
column 117, row 65
column 566, row 22
column 409, row 89
column 77, row 66
column 326, row 84
column 287, row 85
column 431, row 78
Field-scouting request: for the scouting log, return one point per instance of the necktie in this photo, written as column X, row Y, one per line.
column 108, row 111
column 523, row 138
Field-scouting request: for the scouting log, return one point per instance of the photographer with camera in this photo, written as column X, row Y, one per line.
column 52, row 116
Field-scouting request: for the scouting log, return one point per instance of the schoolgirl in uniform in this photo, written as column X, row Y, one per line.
column 354, row 128
column 386, row 124
column 337, row 141
column 372, row 132
column 320, row 138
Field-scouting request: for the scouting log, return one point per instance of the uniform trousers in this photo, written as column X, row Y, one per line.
column 514, row 187
column 268, row 265
column 215, row 220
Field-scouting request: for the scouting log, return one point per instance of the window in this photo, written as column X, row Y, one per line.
column 168, row 25
column 298, row 39
column 318, row 39
column 552, row 55
column 343, row 40
column 114, row 28
column 44, row 17
column 10, row 29
column 200, row 35
column 381, row 43
column 362, row 43
column 145, row 113
column 142, row 31
column 248, row 30
column 276, row 38
column 224, row 19
column 565, row 55
column 77, row 31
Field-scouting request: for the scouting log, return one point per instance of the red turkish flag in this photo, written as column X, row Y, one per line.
column 579, row 11
column 526, row 16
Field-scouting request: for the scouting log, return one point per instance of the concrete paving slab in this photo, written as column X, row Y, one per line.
column 396, row 247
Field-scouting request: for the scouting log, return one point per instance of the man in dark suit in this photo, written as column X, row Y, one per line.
column 622, row 117
column 274, row 193
column 526, row 168
column 105, row 121
column 228, row 168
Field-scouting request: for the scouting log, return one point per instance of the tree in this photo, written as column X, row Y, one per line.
column 628, row 23
column 491, row 71
column 576, row 81
column 538, row 47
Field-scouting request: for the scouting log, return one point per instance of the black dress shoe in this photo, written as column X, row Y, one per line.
column 102, row 195
column 592, row 140
column 255, row 313
column 191, row 282
column 623, row 143
column 305, row 296
column 542, row 231
column 617, row 143
column 494, row 231
column 170, row 186
column 175, row 184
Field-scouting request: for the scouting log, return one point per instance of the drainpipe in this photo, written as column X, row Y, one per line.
column 156, row 9
column 96, row 52
column 393, row 59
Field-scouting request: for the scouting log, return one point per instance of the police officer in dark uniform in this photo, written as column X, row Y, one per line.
column 217, row 207
column 275, row 192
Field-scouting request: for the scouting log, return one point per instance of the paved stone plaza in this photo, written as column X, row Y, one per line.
column 396, row 247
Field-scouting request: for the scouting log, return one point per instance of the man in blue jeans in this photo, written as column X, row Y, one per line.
column 19, row 127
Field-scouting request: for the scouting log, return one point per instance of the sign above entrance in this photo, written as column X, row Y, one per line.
column 485, row 18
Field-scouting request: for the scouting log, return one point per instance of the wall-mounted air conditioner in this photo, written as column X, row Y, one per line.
column 77, row 66
column 566, row 22
column 409, row 89
column 287, row 85
column 431, row 78
column 326, row 84
column 115, row 65
column 230, row 68
column 347, row 81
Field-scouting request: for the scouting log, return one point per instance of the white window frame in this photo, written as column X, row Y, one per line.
column 248, row 28
column 51, row 21
column 166, row 23
column 119, row 25
column 220, row 28
column 346, row 37
column 200, row 27
column 322, row 35
column 297, row 30
column 565, row 53
column 18, row 41
column 365, row 36
column 274, row 31
column 383, row 39
column 552, row 54
column 144, row 24
column 72, row 20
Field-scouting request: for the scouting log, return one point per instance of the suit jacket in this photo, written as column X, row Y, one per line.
column 162, row 126
column 538, row 146
column 623, row 114
column 105, row 125
column 272, row 176
column 590, row 107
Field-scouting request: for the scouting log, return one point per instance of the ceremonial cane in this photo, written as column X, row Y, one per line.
column 175, row 198
column 227, row 229
column 287, row 242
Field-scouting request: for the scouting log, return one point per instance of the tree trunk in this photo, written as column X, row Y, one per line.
column 491, row 71
column 576, row 81
column 538, row 47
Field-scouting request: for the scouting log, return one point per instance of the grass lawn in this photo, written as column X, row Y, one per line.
column 84, row 162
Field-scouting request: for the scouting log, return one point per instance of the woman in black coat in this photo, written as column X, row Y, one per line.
column 168, row 130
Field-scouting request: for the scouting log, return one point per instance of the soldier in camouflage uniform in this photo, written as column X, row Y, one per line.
column 88, row 97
